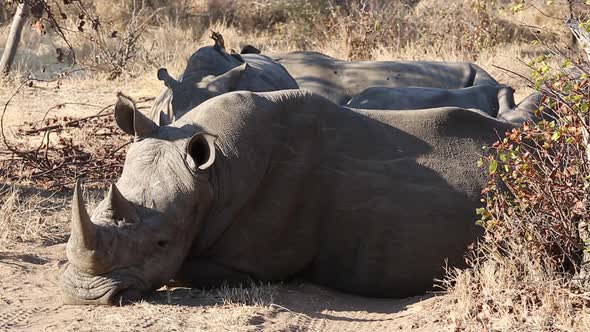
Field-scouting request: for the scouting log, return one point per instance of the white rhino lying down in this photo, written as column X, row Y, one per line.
column 493, row 100
column 269, row 186
column 340, row 80
column 486, row 98
column 212, row 71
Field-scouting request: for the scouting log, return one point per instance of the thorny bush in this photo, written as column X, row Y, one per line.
column 537, row 196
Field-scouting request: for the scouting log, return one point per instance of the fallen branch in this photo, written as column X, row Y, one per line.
column 70, row 123
column 50, row 170
column 80, row 163
column 528, row 80
column 55, row 167
column 74, row 122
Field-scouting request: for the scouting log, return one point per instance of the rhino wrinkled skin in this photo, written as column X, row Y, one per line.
column 268, row 186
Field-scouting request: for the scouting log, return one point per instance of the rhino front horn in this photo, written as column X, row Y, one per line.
column 83, row 230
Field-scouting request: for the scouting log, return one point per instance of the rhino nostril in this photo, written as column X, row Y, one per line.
column 125, row 296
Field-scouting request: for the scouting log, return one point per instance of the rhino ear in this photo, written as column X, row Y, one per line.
column 130, row 119
column 201, row 150
column 228, row 81
column 249, row 49
column 218, row 39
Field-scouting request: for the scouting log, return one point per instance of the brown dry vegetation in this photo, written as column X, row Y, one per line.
column 501, row 292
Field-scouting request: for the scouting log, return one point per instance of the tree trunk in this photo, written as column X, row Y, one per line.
column 3, row 13
column 580, row 34
column 16, row 28
column 570, row 7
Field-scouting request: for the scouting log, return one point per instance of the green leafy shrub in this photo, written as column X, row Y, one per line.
column 530, row 270
column 537, row 199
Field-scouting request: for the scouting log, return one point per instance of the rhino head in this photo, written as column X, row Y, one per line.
column 193, row 90
column 137, row 237
column 210, row 71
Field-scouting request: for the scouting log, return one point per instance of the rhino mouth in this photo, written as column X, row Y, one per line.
column 115, row 288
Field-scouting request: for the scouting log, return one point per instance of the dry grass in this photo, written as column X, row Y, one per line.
column 465, row 30
column 26, row 218
column 196, row 312
column 36, row 216
column 405, row 33
column 514, row 293
column 261, row 295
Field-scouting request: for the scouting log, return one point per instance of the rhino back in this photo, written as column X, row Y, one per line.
column 407, row 206
column 482, row 97
column 271, row 75
column 366, row 201
column 339, row 80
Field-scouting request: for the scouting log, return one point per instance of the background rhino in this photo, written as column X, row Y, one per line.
column 212, row 71
column 487, row 98
column 339, row 80
column 273, row 185
column 493, row 100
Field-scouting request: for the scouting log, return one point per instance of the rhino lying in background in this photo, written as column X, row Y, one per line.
column 268, row 186
column 212, row 71
column 493, row 100
column 340, row 80
column 490, row 99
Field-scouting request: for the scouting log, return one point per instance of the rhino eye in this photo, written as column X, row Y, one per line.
column 163, row 244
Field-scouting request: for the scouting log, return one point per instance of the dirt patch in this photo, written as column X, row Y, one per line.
column 29, row 300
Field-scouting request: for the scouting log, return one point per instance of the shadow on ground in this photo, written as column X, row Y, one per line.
column 313, row 301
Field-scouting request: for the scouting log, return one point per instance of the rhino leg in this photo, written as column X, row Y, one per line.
column 526, row 110
column 505, row 100
column 531, row 103
column 202, row 273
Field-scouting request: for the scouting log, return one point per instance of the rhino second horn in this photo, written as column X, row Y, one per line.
column 83, row 229
column 121, row 207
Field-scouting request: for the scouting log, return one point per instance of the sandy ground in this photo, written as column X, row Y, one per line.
column 29, row 301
